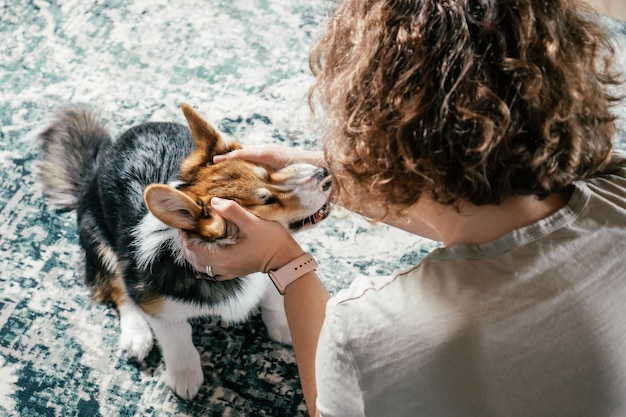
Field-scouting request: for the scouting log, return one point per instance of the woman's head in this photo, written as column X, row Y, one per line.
column 465, row 100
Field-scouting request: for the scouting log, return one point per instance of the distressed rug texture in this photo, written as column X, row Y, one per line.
column 243, row 65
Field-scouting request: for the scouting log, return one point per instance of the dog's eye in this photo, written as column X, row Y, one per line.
column 270, row 200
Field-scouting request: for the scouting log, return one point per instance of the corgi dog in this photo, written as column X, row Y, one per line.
column 133, row 197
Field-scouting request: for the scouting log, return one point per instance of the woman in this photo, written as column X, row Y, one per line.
column 485, row 125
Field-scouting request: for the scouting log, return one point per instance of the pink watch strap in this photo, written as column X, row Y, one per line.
column 287, row 274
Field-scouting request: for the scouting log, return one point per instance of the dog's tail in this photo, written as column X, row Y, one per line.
column 70, row 144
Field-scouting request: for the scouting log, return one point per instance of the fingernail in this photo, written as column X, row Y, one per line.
column 216, row 201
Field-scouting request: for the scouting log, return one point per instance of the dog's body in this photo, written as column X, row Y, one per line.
column 133, row 256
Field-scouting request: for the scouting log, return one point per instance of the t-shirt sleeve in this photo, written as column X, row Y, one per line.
column 338, row 389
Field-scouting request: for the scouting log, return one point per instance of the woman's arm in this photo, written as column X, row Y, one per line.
column 305, row 305
column 262, row 246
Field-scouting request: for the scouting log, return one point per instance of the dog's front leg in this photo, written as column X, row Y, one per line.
column 135, row 336
column 183, row 369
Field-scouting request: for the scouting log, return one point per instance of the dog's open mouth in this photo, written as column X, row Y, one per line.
column 313, row 219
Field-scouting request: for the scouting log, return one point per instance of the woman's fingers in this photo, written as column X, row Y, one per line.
column 272, row 155
column 275, row 156
column 232, row 211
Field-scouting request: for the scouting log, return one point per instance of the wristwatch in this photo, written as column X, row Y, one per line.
column 287, row 274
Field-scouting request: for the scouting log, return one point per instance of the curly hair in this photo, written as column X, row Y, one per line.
column 466, row 100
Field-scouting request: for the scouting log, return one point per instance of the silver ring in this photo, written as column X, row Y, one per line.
column 209, row 271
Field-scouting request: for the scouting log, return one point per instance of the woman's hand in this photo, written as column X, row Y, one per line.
column 261, row 245
column 276, row 156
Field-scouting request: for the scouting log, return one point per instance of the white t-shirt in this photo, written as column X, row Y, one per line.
column 531, row 324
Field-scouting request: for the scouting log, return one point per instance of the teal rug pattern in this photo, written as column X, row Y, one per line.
column 243, row 65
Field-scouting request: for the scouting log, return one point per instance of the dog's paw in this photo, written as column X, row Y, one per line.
column 136, row 337
column 185, row 382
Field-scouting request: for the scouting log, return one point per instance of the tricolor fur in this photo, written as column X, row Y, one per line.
column 134, row 195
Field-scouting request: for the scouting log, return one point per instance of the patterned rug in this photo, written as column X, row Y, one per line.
column 243, row 65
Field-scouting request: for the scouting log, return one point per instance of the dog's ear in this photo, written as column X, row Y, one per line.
column 178, row 210
column 172, row 207
column 207, row 139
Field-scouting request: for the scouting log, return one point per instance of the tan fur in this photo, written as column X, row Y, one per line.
column 110, row 289
column 208, row 140
column 114, row 292
column 152, row 306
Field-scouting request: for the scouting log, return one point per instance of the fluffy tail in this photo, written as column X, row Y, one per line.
column 70, row 144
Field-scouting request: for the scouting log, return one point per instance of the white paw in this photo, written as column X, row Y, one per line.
column 186, row 382
column 136, row 337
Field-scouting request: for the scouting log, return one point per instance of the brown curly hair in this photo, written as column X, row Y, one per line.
column 466, row 100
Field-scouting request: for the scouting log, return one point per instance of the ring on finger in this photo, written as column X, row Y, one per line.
column 209, row 271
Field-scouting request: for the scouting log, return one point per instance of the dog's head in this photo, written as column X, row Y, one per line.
column 295, row 196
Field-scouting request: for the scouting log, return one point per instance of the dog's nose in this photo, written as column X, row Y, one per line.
column 324, row 180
